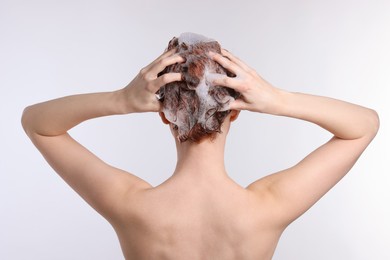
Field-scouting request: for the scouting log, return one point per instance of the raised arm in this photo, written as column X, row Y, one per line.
column 104, row 187
column 293, row 191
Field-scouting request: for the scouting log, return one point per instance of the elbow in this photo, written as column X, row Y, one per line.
column 373, row 123
column 25, row 120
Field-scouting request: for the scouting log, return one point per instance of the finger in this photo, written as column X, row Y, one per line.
column 237, row 104
column 165, row 79
column 223, row 80
column 165, row 54
column 161, row 64
column 225, row 62
column 235, row 60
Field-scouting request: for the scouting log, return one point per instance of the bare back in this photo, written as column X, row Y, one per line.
column 200, row 213
column 182, row 221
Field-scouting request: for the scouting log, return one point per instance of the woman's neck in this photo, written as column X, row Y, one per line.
column 204, row 160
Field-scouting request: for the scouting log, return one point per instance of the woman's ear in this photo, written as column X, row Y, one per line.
column 234, row 114
column 163, row 118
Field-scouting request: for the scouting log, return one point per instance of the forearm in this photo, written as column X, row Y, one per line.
column 343, row 119
column 57, row 116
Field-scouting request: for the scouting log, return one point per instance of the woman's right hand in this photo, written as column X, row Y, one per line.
column 140, row 93
column 257, row 95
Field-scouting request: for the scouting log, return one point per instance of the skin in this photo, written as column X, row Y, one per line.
column 200, row 212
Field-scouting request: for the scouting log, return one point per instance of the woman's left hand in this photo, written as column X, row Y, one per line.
column 140, row 93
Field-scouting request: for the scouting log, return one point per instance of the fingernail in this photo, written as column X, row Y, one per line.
column 211, row 54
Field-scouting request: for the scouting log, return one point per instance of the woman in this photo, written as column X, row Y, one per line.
column 199, row 212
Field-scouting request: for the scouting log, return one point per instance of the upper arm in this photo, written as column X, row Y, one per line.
column 102, row 186
column 293, row 191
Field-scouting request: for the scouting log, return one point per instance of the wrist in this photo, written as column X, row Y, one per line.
column 121, row 102
column 287, row 103
column 279, row 102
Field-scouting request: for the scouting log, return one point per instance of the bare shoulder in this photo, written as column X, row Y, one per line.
column 292, row 191
column 101, row 185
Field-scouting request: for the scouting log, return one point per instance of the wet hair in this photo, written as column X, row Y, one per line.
column 195, row 106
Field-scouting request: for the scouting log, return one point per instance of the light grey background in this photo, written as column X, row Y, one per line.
column 50, row 49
